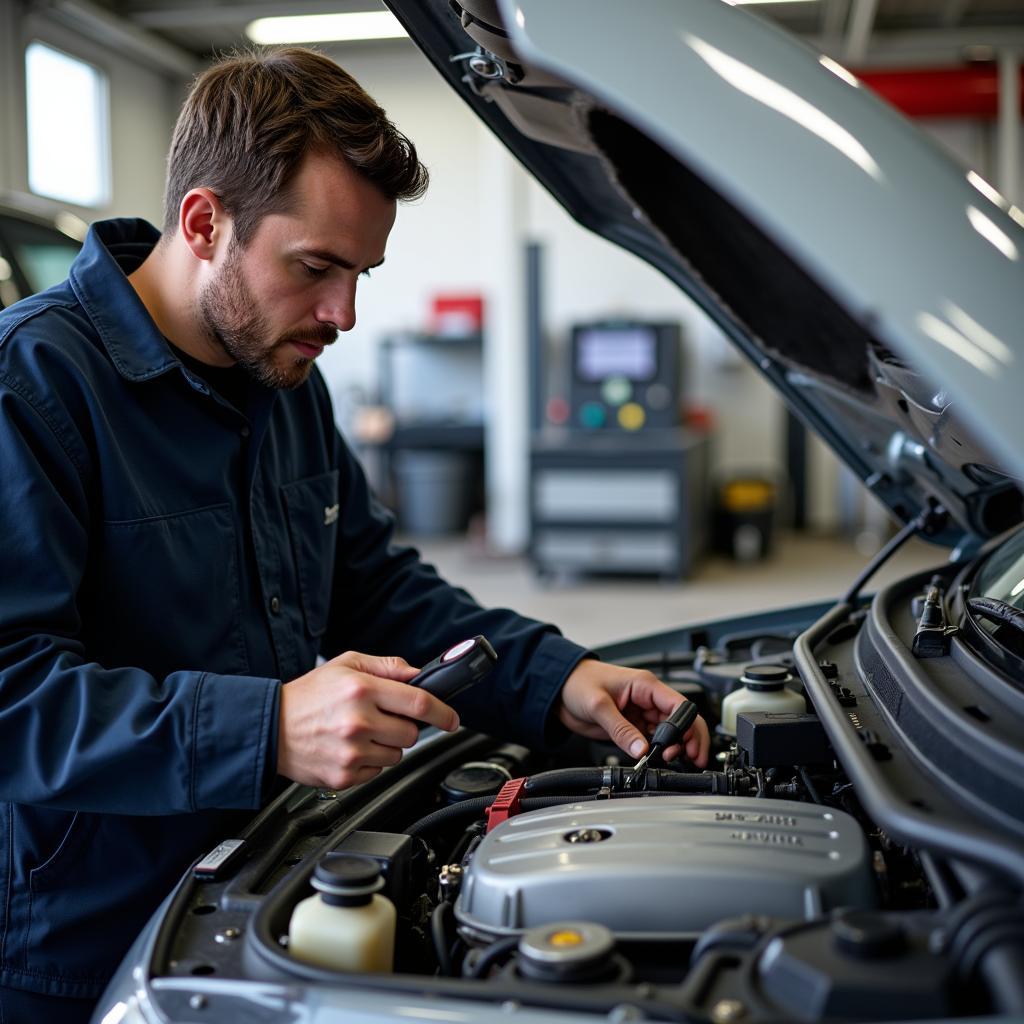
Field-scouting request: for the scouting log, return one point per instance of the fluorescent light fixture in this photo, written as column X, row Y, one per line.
column 326, row 28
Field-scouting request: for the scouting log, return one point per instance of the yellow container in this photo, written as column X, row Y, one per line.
column 347, row 925
column 764, row 689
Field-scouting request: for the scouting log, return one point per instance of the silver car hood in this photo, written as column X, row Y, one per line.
column 876, row 284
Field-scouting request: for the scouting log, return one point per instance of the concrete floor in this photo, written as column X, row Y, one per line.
column 595, row 611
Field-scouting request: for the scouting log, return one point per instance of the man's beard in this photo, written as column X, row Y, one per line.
column 233, row 321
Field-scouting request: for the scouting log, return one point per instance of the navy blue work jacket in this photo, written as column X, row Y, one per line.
column 165, row 562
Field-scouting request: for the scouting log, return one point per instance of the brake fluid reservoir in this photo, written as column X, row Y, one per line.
column 347, row 925
column 764, row 689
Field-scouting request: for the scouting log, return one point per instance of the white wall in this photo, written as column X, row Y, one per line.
column 433, row 245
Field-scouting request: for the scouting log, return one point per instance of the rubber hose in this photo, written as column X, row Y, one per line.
column 477, row 807
column 440, row 937
column 572, row 779
column 491, row 955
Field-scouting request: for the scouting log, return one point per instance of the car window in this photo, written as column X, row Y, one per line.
column 42, row 254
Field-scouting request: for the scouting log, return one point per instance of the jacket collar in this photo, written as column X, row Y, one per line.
column 99, row 277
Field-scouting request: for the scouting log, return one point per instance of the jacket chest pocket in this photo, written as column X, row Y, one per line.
column 169, row 594
column 313, row 510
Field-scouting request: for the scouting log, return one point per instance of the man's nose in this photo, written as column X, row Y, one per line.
column 339, row 308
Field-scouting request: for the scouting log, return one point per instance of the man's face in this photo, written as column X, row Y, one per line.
column 276, row 302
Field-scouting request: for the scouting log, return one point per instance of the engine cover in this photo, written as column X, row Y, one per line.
column 664, row 867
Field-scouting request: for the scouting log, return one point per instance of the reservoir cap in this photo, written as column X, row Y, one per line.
column 766, row 676
column 347, row 879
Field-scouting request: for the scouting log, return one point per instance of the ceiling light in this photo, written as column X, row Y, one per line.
column 326, row 28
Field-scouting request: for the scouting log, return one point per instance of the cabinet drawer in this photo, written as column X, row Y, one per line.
column 607, row 495
column 607, row 550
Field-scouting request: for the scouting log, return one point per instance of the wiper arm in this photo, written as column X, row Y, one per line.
column 997, row 611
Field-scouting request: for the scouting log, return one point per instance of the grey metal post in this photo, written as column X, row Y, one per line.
column 1009, row 137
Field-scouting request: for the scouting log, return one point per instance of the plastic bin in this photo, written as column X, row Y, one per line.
column 744, row 517
column 433, row 491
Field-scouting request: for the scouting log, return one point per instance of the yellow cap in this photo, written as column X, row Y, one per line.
column 565, row 937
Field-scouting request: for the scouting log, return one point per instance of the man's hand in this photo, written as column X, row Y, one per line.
column 344, row 721
column 624, row 705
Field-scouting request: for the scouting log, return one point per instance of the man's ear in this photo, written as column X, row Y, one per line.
column 203, row 223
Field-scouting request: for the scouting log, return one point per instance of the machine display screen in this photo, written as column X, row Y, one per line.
column 629, row 352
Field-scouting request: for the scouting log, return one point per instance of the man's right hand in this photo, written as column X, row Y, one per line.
column 344, row 721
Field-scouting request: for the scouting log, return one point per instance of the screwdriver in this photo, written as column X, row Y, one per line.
column 668, row 733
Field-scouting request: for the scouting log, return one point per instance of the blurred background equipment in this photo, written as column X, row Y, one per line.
column 427, row 432
column 617, row 485
column 625, row 375
column 743, row 517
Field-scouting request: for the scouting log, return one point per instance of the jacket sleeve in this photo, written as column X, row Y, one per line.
column 75, row 735
column 387, row 601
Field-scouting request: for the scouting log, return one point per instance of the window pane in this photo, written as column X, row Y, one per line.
column 67, row 127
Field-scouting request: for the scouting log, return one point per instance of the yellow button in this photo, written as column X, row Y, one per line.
column 631, row 416
column 566, row 937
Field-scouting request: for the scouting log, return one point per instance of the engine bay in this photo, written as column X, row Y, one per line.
column 857, row 859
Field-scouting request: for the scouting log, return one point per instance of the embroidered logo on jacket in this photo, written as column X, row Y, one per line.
column 331, row 514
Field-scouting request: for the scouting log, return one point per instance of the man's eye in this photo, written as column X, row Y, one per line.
column 315, row 271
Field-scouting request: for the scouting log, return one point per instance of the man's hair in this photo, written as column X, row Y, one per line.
column 251, row 118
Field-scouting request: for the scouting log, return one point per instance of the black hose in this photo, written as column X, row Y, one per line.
column 655, row 780
column 931, row 520
column 439, row 935
column 812, row 792
column 473, row 832
column 471, row 809
column 669, row 784
column 984, row 936
column 491, row 955
column 1003, row 970
column 573, row 780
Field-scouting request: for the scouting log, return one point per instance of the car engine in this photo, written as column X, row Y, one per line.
column 860, row 859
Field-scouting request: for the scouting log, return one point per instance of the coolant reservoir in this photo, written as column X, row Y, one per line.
column 347, row 925
column 764, row 689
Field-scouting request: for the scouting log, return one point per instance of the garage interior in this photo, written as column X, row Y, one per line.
column 561, row 431
column 487, row 284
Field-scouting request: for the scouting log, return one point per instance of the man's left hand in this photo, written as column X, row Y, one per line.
column 625, row 705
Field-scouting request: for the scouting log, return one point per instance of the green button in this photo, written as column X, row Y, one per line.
column 616, row 390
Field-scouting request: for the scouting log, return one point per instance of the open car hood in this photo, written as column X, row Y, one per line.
column 876, row 284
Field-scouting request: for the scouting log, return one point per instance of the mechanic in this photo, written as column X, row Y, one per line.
column 185, row 534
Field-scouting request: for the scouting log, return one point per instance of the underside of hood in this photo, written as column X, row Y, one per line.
column 811, row 223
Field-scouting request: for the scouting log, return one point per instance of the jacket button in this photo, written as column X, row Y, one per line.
column 275, row 604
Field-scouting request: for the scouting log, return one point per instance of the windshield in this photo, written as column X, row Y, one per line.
column 996, row 602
